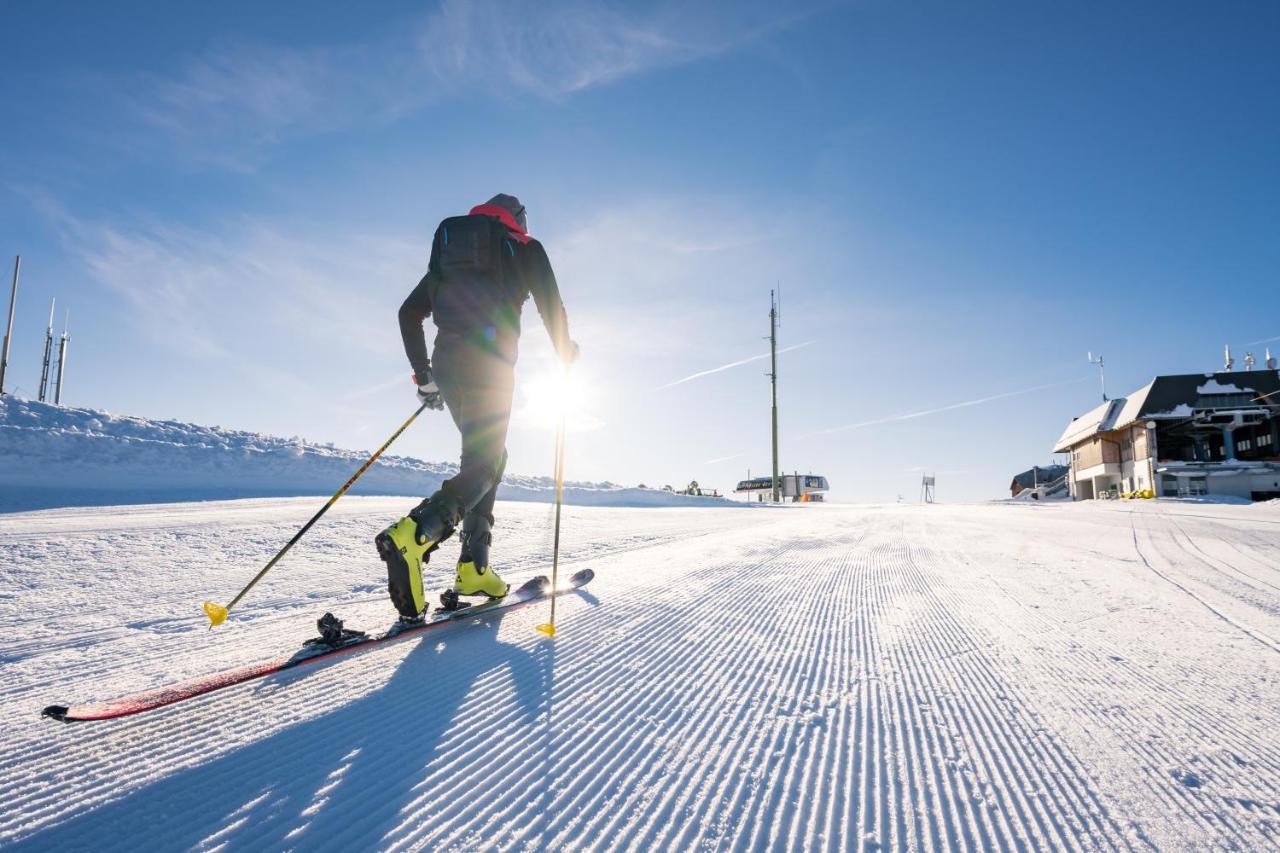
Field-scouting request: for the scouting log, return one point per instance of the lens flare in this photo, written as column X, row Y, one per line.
column 553, row 392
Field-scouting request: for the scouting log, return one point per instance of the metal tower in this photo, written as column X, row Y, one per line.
column 48, row 353
column 13, row 297
column 62, row 360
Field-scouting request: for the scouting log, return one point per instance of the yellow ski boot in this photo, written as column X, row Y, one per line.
column 475, row 577
column 406, row 547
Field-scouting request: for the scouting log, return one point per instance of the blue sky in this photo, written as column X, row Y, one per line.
column 958, row 203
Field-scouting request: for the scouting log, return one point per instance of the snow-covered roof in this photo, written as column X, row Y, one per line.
column 1133, row 404
column 1101, row 419
column 1178, row 396
column 1171, row 397
column 1039, row 475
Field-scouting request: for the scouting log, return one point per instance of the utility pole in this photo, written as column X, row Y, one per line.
column 773, row 380
column 62, row 359
column 13, row 297
column 48, row 353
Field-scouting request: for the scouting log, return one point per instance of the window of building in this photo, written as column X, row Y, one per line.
column 1264, row 439
column 1244, row 444
column 1224, row 401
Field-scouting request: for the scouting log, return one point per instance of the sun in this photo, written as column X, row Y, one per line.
column 557, row 392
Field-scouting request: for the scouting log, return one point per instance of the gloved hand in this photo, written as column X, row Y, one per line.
column 428, row 391
column 570, row 353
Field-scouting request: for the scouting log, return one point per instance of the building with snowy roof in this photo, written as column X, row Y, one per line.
column 1191, row 434
column 1045, row 481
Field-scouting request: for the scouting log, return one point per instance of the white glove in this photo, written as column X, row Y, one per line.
column 429, row 392
column 571, row 352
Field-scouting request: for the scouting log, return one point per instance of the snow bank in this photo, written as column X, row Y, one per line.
column 1039, row 496
column 54, row 456
column 1224, row 500
column 1213, row 386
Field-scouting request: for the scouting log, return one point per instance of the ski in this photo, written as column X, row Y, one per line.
column 333, row 642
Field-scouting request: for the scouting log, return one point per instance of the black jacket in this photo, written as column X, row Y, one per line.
column 483, row 310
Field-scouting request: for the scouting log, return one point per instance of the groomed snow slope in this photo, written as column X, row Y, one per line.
column 1004, row 676
column 56, row 456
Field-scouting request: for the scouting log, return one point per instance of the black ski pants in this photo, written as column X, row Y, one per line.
column 478, row 384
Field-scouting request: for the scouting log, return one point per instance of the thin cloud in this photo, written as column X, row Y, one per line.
column 730, row 365
column 401, row 380
column 1263, row 341
column 222, row 296
column 720, row 459
column 237, row 98
column 910, row 415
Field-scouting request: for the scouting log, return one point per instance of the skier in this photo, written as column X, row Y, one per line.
column 483, row 267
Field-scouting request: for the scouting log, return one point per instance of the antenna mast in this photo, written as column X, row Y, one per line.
column 773, row 381
column 13, row 297
column 62, row 359
column 1102, row 374
column 48, row 353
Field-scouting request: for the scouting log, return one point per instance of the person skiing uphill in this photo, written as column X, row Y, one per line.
column 483, row 267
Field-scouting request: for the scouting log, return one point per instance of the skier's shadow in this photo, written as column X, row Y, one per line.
column 288, row 789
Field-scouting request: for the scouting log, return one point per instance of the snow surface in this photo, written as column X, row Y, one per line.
column 53, row 456
column 1213, row 386
column 1182, row 410
column 1016, row 675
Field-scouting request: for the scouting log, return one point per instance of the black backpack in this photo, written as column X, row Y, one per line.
column 474, row 247
column 475, row 260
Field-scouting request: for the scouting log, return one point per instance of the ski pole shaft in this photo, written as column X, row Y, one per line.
column 218, row 614
column 550, row 628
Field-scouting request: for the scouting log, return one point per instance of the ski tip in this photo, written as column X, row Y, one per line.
column 216, row 612
column 579, row 578
column 537, row 584
column 549, row 629
column 56, row 712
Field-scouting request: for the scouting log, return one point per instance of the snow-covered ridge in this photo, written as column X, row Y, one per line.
column 60, row 456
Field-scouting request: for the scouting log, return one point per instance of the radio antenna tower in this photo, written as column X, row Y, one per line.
column 62, row 359
column 48, row 353
column 1102, row 374
column 13, row 297
column 773, row 381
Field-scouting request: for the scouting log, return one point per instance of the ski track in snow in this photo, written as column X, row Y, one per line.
column 973, row 677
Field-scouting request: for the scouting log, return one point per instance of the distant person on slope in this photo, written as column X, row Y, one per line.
column 483, row 267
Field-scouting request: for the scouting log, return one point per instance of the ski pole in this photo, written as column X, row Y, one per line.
column 218, row 614
column 550, row 628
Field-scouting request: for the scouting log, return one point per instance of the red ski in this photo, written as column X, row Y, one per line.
column 319, row 650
